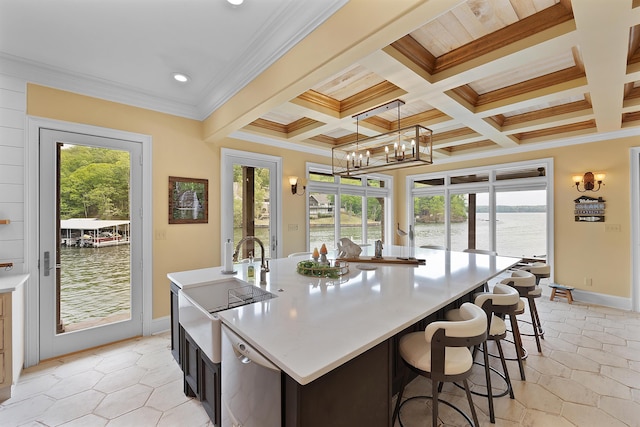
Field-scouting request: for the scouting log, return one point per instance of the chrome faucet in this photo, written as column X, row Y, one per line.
column 264, row 266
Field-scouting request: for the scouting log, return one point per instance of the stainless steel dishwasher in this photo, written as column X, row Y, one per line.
column 251, row 391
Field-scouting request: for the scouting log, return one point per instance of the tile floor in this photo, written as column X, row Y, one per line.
column 588, row 375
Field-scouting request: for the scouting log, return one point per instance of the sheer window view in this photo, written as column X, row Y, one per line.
column 361, row 218
column 520, row 213
column 251, row 209
column 95, row 282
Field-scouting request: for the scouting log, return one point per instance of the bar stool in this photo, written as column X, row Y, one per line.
column 424, row 353
column 525, row 283
column 538, row 269
column 503, row 300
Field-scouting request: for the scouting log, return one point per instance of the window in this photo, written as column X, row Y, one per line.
column 501, row 207
column 354, row 207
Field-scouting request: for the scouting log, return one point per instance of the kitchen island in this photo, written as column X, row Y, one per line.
column 334, row 339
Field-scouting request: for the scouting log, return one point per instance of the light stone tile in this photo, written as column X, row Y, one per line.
column 75, row 364
column 162, row 375
column 144, row 416
column 90, row 420
column 628, row 352
column 624, row 410
column 624, row 376
column 120, row 379
column 190, row 413
column 603, row 357
column 558, row 343
column 604, row 337
column 534, row 396
column 32, row 386
column 155, row 359
column 585, row 325
column 533, row 418
column 602, row 385
column 569, row 390
column 72, row 407
column 25, row 410
column 117, row 361
column 581, row 340
column 582, row 415
column 548, row 366
column 167, row 396
column 561, row 327
column 74, row 384
column 123, row 401
column 632, row 334
column 575, row 361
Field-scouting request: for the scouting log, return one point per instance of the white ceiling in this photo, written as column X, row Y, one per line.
column 127, row 50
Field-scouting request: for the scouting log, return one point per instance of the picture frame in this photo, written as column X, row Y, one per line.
column 188, row 200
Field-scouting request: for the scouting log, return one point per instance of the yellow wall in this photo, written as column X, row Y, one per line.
column 581, row 250
column 178, row 150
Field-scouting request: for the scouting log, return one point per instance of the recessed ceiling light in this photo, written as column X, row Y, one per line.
column 235, row 2
column 180, row 77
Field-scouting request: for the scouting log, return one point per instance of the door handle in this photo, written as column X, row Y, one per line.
column 47, row 263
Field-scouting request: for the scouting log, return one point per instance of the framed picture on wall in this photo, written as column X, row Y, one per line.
column 188, row 200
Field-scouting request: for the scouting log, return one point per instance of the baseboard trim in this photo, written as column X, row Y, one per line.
column 601, row 299
column 161, row 324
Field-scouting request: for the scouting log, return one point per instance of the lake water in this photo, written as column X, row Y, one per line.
column 94, row 283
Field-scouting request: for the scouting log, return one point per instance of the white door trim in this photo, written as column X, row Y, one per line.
column 32, row 317
column 226, row 193
column 635, row 228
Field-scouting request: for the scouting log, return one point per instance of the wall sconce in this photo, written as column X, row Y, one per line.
column 293, row 180
column 588, row 181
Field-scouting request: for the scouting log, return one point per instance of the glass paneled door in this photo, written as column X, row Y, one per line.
column 250, row 192
column 90, row 241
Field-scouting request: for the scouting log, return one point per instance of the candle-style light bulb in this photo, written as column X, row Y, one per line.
column 413, row 148
column 403, row 149
column 368, row 157
column 395, row 149
column 386, row 153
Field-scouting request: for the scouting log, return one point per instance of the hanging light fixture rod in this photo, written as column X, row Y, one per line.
column 381, row 109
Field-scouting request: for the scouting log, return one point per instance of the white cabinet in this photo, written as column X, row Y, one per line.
column 11, row 331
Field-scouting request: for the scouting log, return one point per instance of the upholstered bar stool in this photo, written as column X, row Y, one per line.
column 525, row 283
column 502, row 301
column 441, row 353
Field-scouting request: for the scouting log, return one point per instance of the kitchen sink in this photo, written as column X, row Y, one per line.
column 198, row 305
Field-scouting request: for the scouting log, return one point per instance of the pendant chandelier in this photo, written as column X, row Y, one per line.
column 401, row 148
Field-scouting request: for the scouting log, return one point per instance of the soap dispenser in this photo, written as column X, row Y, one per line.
column 251, row 270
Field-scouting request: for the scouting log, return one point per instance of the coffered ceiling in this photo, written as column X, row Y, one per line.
column 484, row 76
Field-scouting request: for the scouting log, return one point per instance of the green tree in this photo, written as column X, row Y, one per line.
column 94, row 183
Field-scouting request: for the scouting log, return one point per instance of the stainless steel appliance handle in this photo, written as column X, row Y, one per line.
column 247, row 354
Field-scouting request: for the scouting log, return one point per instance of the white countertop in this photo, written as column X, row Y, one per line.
column 315, row 325
column 10, row 282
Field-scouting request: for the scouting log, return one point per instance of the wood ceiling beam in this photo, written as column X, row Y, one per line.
column 517, row 31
